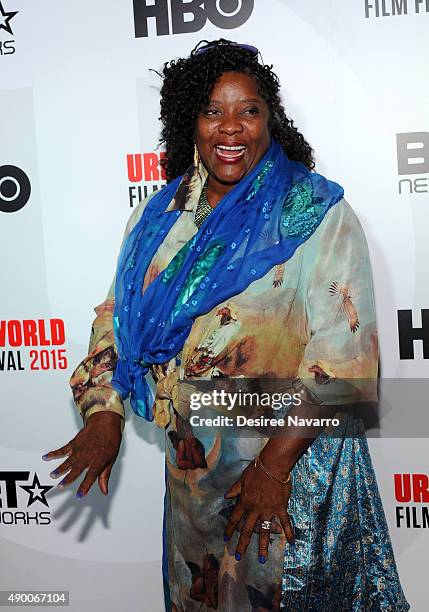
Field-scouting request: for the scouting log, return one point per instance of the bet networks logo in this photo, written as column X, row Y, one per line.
column 16, row 499
column 7, row 46
column 146, row 175
column 412, row 490
column 413, row 160
column 186, row 16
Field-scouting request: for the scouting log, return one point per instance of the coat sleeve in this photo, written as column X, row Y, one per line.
column 340, row 361
column 91, row 380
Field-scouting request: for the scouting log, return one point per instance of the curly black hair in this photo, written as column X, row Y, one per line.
column 187, row 85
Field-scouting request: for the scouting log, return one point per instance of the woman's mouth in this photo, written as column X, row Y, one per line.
column 230, row 154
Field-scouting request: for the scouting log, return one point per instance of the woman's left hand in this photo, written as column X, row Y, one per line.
column 261, row 498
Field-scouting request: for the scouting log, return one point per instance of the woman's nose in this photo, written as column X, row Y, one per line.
column 230, row 125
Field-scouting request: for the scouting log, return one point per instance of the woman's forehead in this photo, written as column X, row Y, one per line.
column 235, row 84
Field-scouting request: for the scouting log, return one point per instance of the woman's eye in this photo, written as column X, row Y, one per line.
column 211, row 111
column 252, row 111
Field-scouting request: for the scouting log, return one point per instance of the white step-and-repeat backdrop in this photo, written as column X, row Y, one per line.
column 78, row 150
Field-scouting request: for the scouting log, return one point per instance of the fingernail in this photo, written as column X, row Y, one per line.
column 53, row 474
column 292, row 543
column 79, row 494
column 225, row 538
column 44, row 457
column 61, row 484
column 238, row 556
column 262, row 559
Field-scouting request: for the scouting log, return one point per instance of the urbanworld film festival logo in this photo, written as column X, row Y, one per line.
column 413, row 161
column 7, row 44
column 185, row 16
column 17, row 497
column 412, row 493
column 15, row 188
column 45, row 337
column 145, row 175
column 392, row 8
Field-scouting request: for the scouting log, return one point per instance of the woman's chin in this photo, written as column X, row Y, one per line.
column 231, row 177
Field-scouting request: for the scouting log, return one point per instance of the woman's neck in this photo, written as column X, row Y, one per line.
column 216, row 191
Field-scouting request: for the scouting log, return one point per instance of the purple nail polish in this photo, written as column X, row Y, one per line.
column 292, row 543
column 238, row 556
column 225, row 538
column 79, row 494
column 53, row 474
column 262, row 559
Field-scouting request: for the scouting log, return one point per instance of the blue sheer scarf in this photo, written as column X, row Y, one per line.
column 258, row 224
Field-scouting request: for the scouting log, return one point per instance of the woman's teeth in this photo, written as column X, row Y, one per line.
column 231, row 152
column 231, row 148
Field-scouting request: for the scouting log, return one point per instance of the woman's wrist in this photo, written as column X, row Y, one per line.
column 277, row 458
column 105, row 417
column 282, row 481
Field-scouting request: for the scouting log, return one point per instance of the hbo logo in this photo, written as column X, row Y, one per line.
column 189, row 16
column 15, row 189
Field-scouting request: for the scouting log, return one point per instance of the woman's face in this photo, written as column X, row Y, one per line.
column 232, row 133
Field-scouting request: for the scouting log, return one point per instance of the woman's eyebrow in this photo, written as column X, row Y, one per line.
column 247, row 100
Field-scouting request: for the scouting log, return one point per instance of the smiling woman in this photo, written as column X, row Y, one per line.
column 246, row 265
column 232, row 132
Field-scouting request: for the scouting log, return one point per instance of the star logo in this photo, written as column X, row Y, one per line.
column 5, row 18
column 40, row 494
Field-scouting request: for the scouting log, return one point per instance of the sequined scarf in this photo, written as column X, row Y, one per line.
column 257, row 225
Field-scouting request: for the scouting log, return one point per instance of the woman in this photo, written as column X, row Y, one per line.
column 246, row 265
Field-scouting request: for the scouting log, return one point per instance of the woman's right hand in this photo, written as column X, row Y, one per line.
column 95, row 448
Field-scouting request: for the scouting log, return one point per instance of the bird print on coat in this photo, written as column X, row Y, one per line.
column 347, row 307
column 278, row 275
column 212, row 345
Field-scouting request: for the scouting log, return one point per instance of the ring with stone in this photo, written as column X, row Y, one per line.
column 266, row 525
